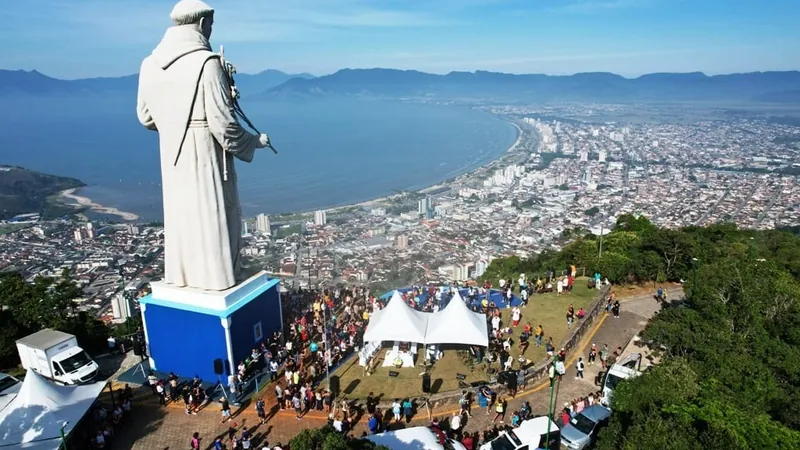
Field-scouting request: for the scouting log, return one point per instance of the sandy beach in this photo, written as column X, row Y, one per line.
column 71, row 198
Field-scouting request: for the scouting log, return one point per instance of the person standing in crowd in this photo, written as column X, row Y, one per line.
column 570, row 315
column 195, row 442
column 604, row 356
column 225, row 407
column 260, row 409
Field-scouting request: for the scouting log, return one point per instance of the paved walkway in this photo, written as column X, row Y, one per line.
column 168, row 427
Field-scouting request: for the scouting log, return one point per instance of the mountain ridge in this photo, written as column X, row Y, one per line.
column 27, row 82
column 768, row 87
column 587, row 86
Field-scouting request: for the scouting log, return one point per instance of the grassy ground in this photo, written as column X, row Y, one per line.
column 549, row 310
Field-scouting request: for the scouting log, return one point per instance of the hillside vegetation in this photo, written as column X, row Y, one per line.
column 730, row 377
column 26, row 191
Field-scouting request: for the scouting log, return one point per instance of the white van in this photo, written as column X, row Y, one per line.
column 414, row 438
column 625, row 369
column 531, row 434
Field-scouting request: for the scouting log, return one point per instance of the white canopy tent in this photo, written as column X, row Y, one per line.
column 456, row 324
column 33, row 419
column 397, row 322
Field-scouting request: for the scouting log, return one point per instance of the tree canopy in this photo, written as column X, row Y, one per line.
column 326, row 438
column 46, row 303
column 637, row 251
column 729, row 377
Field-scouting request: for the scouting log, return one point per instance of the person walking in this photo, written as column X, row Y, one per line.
column 604, row 356
column 260, row 409
column 579, row 368
column 226, row 409
column 195, row 442
column 500, row 410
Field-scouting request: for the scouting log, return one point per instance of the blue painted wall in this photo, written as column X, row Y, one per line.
column 185, row 342
column 264, row 308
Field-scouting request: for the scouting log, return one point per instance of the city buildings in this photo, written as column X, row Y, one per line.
column 320, row 218
column 262, row 224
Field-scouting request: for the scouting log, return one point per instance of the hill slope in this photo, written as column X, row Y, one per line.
column 21, row 82
column 26, row 191
column 729, row 375
column 756, row 86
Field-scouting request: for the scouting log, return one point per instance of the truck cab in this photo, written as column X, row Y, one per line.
column 73, row 366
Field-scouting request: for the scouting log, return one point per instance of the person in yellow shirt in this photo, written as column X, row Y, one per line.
column 365, row 315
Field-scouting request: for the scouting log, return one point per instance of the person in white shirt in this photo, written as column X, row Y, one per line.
column 496, row 323
column 455, row 423
column 559, row 287
column 516, row 314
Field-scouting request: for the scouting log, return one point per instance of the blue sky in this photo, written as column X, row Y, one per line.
column 81, row 38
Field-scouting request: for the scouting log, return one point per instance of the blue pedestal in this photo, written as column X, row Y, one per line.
column 187, row 329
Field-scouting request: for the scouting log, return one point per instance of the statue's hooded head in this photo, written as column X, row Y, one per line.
column 194, row 12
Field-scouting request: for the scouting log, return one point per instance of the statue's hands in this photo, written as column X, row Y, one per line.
column 263, row 141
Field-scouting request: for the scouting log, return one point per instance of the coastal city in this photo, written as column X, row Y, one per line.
column 570, row 168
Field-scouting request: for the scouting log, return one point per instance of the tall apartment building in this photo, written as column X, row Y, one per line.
column 320, row 218
column 262, row 224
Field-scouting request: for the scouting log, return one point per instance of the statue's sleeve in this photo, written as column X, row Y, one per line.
column 219, row 113
column 142, row 111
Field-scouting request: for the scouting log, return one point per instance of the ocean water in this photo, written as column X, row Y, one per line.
column 331, row 152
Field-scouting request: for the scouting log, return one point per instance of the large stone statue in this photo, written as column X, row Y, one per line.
column 185, row 95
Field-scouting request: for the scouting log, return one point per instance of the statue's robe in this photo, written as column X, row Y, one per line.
column 184, row 94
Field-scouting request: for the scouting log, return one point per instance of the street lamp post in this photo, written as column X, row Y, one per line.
column 551, row 413
column 600, row 253
column 694, row 276
column 64, row 435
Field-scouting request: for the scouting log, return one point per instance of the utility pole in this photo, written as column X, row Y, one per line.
column 551, row 413
column 64, row 435
column 694, row 276
column 600, row 253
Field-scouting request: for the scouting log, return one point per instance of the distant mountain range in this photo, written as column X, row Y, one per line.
column 601, row 87
column 14, row 82
column 770, row 87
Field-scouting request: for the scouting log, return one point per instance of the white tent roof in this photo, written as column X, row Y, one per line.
column 397, row 322
column 34, row 418
column 456, row 324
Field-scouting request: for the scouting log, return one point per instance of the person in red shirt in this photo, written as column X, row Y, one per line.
column 565, row 417
column 468, row 441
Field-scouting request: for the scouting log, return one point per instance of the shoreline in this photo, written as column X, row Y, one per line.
column 69, row 197
column 433, row 187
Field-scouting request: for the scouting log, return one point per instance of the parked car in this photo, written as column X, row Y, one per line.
column 530, row 434
column 414, row 438
column 9, row 388
column 583, row 428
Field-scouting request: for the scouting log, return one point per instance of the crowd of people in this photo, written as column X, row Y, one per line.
column 104, row 420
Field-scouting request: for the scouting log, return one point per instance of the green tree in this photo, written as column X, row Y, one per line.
column 326, row 438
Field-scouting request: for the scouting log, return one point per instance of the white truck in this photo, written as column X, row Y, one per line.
column 56, row 355
column 626, row 368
